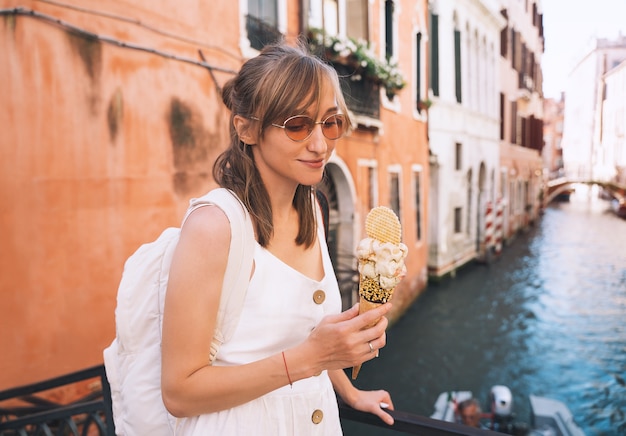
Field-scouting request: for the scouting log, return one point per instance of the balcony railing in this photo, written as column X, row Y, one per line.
column 526, row 82
column 362, row 95
column 25, row 411
column 260, row 33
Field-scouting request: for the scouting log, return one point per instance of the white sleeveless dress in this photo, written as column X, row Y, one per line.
column 281, row 308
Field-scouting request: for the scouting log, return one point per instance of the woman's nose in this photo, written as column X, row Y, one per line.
column 317, row 141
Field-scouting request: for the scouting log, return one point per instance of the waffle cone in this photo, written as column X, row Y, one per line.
column 364, row 306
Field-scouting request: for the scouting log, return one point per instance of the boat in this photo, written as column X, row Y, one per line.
column 549, row 417
column 618, row 205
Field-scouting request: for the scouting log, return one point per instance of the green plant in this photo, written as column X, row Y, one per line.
column 359, row 55
column 425, row 104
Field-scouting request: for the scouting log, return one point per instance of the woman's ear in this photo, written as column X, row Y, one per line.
column 245, row 130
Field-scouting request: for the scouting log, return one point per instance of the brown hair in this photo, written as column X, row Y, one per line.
column 278, row 83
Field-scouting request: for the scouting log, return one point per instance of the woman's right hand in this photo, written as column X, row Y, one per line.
column 343, row 340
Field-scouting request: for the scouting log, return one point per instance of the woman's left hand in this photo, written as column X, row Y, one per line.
column 374, row 402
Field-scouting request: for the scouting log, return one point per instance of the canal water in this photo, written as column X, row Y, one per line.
column 546, row 318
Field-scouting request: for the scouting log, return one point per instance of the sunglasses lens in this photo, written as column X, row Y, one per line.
column 299, row 128
column 333, row 127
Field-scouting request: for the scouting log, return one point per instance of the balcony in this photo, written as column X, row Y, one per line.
column 362, row 94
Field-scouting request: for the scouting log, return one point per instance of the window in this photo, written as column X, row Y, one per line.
column 262, row 23
column 389, row 30
column 502, row 108
column 434, row 53
column 357, row 19
column 504, row 36
column 516, row 50
column 457, row 219
column 513, row 138
column 457, row 64
column 458, row 153
column 513, row 198
column 324, row 14
column 418, row 69
column 417, row 195
column 367, row 179
column 331, row 17
column 469, row 203
column 526, row 195
column 371, row 188
column 343, row 18
column 394, row 192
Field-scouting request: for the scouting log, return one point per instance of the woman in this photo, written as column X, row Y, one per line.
column 276, row 375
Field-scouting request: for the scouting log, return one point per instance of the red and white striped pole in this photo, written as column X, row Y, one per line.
column 488, row 226
column 498, row 225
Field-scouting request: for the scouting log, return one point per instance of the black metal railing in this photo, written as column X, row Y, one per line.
column 25, row 411
column 408, row 423
column 362, row 94
column 37, row 415
column 261, row 33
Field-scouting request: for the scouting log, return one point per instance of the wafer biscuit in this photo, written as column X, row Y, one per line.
column 383, row 224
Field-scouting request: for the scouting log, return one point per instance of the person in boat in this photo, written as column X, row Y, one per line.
column 470, row 412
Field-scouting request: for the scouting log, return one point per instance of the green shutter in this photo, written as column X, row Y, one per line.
column 457, row 64
column 434, row 53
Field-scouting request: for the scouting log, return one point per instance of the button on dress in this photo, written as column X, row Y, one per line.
column 281, row 308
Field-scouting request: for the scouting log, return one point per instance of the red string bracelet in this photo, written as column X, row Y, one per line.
column 287, row 370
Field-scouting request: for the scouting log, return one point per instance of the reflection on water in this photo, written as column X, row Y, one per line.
column 547, row 318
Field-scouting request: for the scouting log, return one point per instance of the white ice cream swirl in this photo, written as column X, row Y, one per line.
column 384, row 260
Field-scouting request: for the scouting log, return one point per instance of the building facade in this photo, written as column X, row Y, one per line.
column 612, row 137
column 552, row 153
column 112, row 118
column 583, row 153
column 463, row 129
column 520, row 179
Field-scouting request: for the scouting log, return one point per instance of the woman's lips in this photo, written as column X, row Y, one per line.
column 317, row 163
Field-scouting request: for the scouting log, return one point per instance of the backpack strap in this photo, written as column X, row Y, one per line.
column 240, row 261
column 323, row 202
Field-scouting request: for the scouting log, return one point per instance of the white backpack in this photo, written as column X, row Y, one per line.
column 133, row 360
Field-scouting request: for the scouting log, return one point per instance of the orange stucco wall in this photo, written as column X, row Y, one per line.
column 102, row 146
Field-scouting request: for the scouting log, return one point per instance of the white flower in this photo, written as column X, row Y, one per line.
column 361, row 52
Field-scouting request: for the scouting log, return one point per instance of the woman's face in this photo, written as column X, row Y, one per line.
column 282, row 161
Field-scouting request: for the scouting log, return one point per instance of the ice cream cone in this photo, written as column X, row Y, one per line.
column 377, row 282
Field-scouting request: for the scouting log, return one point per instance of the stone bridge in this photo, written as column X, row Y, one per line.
column 561, row 186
